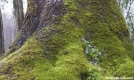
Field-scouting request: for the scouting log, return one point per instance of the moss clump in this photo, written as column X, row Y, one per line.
column 107, row 29
column 3, row 77
column 30, row 63
column 19, row 65
column 125, row 70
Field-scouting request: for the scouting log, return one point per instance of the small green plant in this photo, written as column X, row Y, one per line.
column 92, row 52
column 92, row 74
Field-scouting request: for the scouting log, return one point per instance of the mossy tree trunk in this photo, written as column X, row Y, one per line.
column 50, row 47
column 40, row 14
column 1, row 36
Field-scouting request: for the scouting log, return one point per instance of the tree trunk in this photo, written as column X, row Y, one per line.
column 1, row 36
column 59, row 37
column 18, row 12
column 39, row 15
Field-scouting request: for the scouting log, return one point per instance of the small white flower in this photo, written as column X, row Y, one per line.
column 93, row 50
column 105, row 55
column 86, row 50
column 100, row 53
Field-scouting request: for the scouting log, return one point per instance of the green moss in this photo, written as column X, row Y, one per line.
column 32, row 9
column 30, row 63
column 69, row 66
column 70, row 4
column 3, row 77
column 21, row 63
column 107, row 29
column 56, row 52
column 125, row 69
column 59, row 56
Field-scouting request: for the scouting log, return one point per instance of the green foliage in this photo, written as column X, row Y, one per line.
column 93, row 55
column 92, row 52
column 93, row 74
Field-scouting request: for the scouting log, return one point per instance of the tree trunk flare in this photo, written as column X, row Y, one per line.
column 40, row 13
column 60, row 39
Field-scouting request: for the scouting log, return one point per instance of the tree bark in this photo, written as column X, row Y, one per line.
column 1, row 36
column 39, row 15
column 18, row 12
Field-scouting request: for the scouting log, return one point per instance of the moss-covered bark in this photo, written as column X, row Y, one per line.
column 56, row 51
